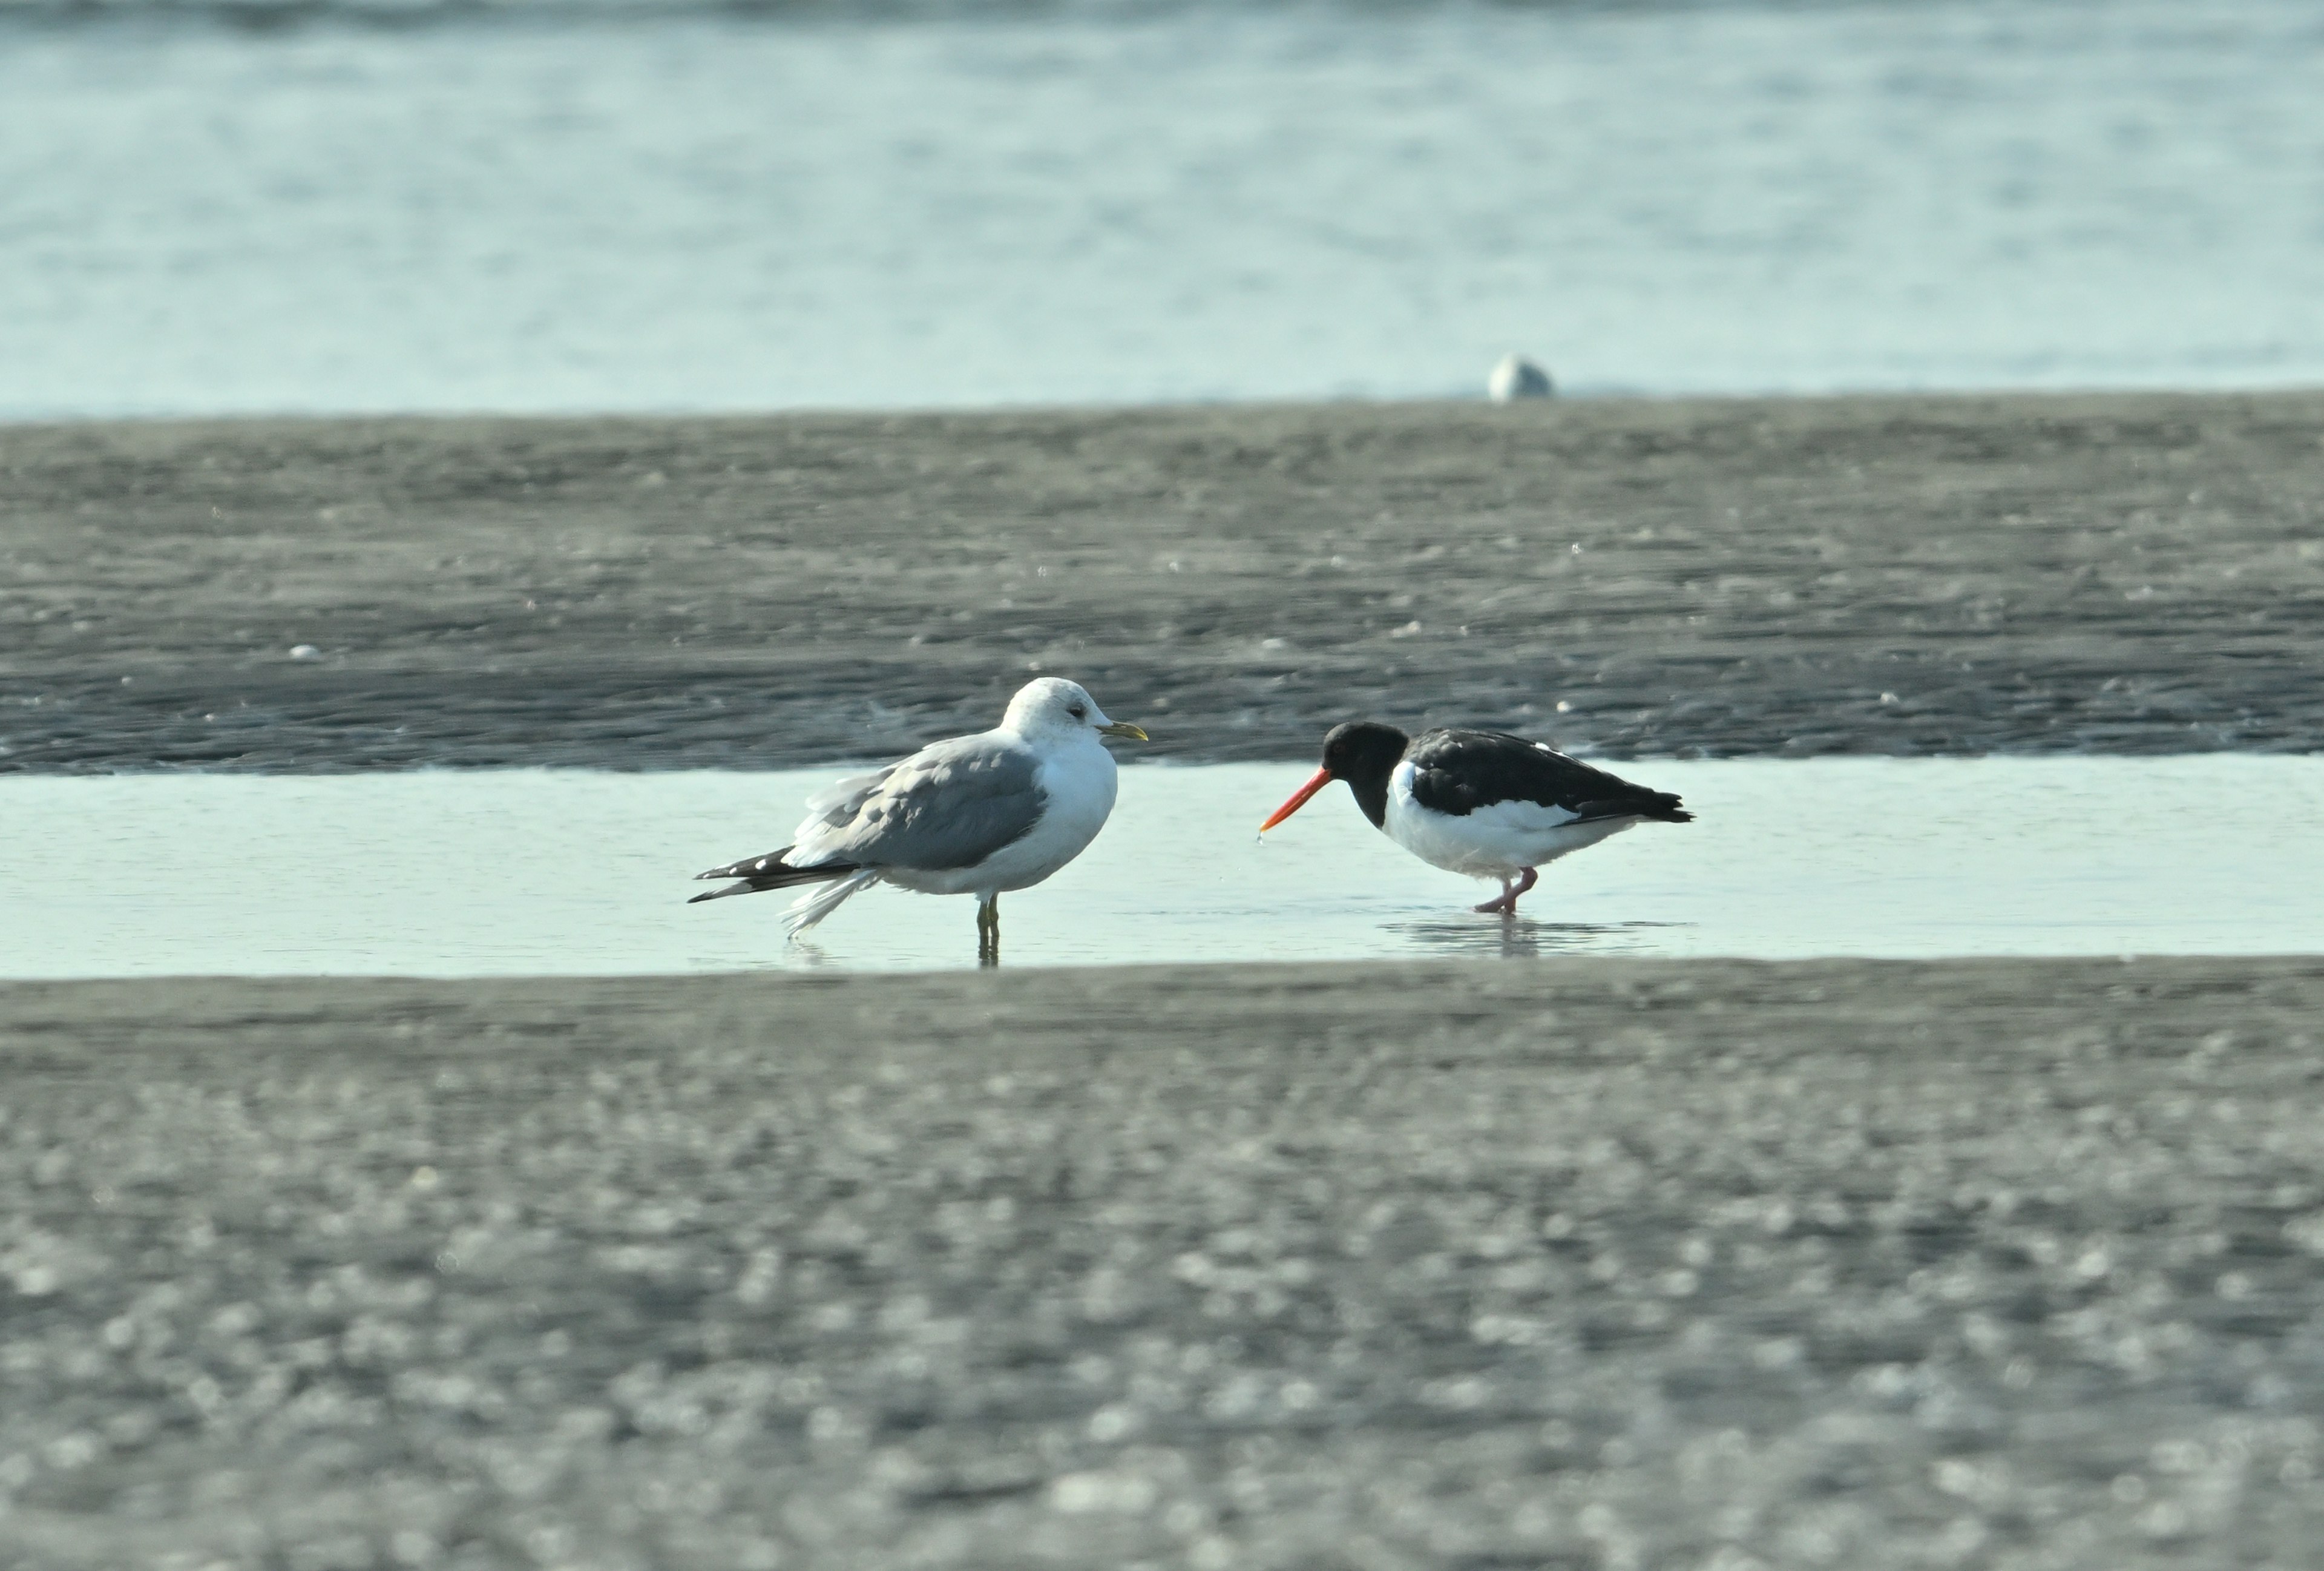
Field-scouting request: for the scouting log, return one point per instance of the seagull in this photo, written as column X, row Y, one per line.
column 972, row 814
column 1514, row 376
column 1482, row 803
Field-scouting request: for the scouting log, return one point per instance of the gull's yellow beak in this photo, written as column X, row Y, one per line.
column 1125, row 729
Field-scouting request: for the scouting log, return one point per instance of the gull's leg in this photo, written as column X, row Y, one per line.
column 988, row 931
column 1506, row 905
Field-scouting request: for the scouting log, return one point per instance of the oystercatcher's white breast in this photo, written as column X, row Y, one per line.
column 1495, row 841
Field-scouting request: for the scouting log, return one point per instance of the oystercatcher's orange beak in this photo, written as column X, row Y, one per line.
column 1322, row 778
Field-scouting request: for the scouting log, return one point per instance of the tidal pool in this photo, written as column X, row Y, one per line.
column 523, row 871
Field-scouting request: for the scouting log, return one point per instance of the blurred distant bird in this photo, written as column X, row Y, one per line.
column 1517, row 377
column 973, row 815
column 1482, row 803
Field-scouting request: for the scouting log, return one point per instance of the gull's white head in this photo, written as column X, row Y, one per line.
column 1052, row 706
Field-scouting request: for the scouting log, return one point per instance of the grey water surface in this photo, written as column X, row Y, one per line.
column 338, row 206
column 524, row 872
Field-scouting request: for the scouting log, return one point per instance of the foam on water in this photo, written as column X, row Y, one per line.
column 575, row 873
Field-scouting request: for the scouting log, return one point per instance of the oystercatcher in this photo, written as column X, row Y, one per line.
column 1482, row 803
column 975, row 815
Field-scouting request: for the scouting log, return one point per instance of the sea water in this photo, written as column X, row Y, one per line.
column 556, row 205
column 524, row 872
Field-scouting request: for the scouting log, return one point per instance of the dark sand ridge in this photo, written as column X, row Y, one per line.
column 1596, row 1264
column 1891, row 575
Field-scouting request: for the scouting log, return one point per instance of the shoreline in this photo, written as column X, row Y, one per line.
column 1888, row 574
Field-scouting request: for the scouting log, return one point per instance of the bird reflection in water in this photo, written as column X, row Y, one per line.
column 1520, row 938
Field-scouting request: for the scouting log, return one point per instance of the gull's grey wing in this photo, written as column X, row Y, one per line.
column 836, row 805
column 948, row 805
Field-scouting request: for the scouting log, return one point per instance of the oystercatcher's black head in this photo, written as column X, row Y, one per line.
column 1363, row 752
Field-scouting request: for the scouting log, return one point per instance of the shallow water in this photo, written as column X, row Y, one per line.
column 576, row 872
column 701, row 206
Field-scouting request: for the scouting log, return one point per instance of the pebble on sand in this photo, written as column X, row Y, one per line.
column 1517, row 377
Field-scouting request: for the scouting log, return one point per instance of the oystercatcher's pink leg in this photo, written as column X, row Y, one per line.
column 1506, row 905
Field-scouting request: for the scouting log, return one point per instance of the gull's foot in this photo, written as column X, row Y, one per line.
column 988, row 935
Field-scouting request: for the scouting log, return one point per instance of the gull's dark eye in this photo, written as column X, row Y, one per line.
column 1079, row 713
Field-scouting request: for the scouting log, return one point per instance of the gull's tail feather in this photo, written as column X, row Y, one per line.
column 816, row 904
column 769, row 872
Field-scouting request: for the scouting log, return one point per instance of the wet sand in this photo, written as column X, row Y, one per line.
column 1590, row 1264
column 1864, row 575
column 1575, row 1264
